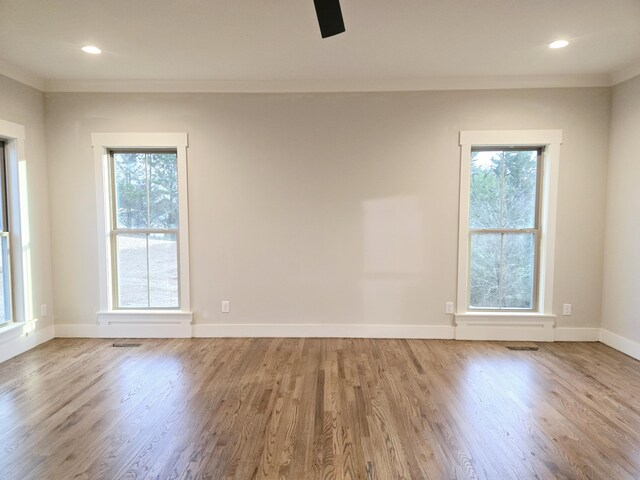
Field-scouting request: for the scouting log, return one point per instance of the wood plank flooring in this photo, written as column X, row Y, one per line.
column 318, row 409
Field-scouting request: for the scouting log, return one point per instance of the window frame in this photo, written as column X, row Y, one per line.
column 115, row 231
column 549, row 142
column 103, row 144
column 5, row 231
column 23, row 319
column 535, row 230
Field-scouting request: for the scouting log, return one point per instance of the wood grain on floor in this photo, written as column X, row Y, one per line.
column 318, row 409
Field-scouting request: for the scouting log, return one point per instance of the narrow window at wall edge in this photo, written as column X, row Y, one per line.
column 6, row 303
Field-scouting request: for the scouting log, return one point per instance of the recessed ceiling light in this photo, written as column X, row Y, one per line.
column 558, row 44
column 91, row 49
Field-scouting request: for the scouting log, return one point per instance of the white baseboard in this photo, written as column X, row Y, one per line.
column 479, row 331
column 77, row 331
column 577, row 334
column 26, row 341
column 129, row 330
column 324, row 330
column 620, row 343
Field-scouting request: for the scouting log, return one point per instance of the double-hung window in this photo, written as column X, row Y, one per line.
column 6, row 311
column 508, row 192
column 504, row 227
column 16, row 300
column 141, row 181
column 145, row 228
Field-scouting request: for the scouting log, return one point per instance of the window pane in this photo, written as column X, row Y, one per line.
column 519, row 188
column 5, row 282
column 484, row 275
column 163, row 270
column 502, row 270
column 163, row 190
column 130, row 175
column 133, row 280
column 486, row 181
column 4, row 225
column 503, row 189
column 518, row 259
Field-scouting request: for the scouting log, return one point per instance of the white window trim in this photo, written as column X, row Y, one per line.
column 102, row 143
column 551, row 141
column 23, row 322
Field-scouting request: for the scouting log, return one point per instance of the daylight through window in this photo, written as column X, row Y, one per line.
column 504, row 228
column 5, row 264
column 145, row 229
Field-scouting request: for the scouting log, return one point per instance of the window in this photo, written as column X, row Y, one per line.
column 16, row 288
column 503, row 227
column 143, row 234
column 144, row 240
column 5, row 264
column 508, row 192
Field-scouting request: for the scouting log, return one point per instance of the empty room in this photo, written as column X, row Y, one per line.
column 319, row 239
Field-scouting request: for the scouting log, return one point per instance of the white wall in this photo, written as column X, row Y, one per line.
column 24, row 105
column 621, row 299
column 327, row 208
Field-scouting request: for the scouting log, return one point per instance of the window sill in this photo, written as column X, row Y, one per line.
column 169, row 317
column 13, row 330
column 10, row 331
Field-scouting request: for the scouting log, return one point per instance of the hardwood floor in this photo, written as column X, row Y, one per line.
column 318, row 409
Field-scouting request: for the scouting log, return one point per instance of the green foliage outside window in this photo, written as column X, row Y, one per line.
column 503, row 198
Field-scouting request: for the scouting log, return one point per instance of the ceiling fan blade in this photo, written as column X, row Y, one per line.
column 329, row 17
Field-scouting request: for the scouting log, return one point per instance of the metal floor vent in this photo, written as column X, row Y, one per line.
column 126, row 345
column 523, row 348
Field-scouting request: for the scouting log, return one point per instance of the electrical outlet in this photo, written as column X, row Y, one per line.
column 567, row 309
column 43, row 310
column 226, row 305
column 448, row 307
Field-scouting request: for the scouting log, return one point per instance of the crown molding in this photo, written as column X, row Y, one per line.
column 315, row 86
column 303, row 86
column 21, row 75
column 625, row 74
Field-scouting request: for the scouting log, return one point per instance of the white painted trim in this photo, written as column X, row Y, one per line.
column 257, row 330
column 101, row 143
column 529, row 331
column 577, row 334
column 115, row 317
column 10, row 130
column 551, row 140
column 324, row 331
column 548, row 216
column 27, row 340
column 21, row 75
column 136, row 330
column 77, row 331
column 501, row 317
column 511, row 138
column 513, row 329
column 14, row 137
column 139, row 140
column 620, row 343
column 125, row 330
column 328, row 85
column 624, row 74
column 10, row 331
